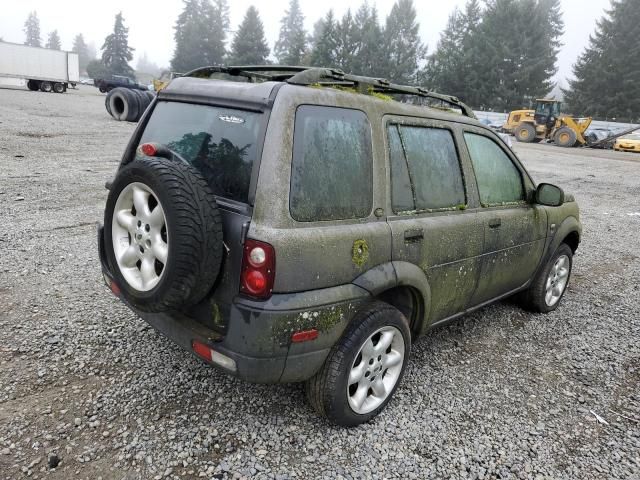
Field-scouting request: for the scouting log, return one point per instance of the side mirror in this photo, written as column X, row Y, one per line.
column 549, row 195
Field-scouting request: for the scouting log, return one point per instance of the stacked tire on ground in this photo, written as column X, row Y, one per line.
column 127, row 105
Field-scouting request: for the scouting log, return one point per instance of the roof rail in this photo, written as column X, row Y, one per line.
column 297, row 75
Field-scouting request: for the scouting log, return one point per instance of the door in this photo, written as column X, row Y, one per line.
column 432, row 226
column 514, row 229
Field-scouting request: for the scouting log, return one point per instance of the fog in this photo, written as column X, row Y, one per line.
column 151, row 23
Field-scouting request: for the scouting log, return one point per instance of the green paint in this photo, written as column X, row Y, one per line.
column 360, row 253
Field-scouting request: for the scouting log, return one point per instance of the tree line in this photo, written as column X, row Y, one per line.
column 493, row 54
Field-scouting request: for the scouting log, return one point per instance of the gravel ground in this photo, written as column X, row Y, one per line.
column 89, row 387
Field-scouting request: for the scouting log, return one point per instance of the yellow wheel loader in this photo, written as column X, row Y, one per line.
column 547, row 123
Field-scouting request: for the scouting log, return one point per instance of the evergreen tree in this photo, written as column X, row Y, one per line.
column 325, row 44
column 607, row 73
column 520, row 40
column 32, row 30
column 454, row 67
column 53, row 41
column 116, row 52
column 345, row 42
column 81, row 48
column 216, row 18
column 189, row 32
column 368, row 37
column 292, row 42
column 249, row 45
column 403, row 49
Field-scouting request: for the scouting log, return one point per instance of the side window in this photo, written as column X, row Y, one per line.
column 425, row 169
column 499, row 181
column 332, row 171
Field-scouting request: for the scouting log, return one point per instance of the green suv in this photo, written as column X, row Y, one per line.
column 305, row 225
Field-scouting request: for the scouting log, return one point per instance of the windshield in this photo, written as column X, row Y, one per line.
column 220, row 142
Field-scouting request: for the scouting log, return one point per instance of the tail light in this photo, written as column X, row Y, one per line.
column 258, row 269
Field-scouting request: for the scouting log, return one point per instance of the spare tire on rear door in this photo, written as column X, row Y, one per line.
column 163, row 234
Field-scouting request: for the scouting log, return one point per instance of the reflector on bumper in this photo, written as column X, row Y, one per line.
column 205, row 352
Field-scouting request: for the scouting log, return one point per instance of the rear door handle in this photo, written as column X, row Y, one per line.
column 495, row 223
column 414, row 235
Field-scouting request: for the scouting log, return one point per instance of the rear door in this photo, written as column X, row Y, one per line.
column 433, row 222
column 514, row 228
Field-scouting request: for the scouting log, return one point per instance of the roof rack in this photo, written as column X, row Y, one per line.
column 308, row 76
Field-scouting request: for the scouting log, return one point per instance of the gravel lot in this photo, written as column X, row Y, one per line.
column 500, row 394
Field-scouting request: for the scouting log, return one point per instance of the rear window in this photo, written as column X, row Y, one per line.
column 220, row 142
column 332, row 171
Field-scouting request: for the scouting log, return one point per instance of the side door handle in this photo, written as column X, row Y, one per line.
column 416, row 235
column 495, row 223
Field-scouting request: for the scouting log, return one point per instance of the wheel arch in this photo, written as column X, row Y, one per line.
column 404, row 286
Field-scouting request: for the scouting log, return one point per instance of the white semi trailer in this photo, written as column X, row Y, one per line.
column 42, row 68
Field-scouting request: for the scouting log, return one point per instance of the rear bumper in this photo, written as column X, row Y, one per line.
column 258, row 336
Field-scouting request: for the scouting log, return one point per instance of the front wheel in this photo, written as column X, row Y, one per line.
column 364, row 368
column 549, row 285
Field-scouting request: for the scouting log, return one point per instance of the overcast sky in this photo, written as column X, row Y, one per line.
column 151, row 23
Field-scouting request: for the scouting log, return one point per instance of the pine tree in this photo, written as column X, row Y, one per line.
column 345, row 42
column 81, row 48
column 189, row 33
column 249, row 45
column 325, row 44
column 216, row 25
column 453, row 67
column 292, row 42
column 32, row 30
column 53, row 41
column 367, row 41
column 403, row 48
column 607, row 73
column 520, row 42
column 116, row 52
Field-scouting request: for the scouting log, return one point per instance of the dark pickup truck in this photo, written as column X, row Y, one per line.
column 107, row 84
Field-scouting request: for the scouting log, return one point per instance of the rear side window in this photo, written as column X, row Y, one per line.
column 220, row 142
column 331, row 173
column 499, row 180
column 425, row 169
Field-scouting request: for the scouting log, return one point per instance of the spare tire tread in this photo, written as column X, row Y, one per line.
column 195, row 233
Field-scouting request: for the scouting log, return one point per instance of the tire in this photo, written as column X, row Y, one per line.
column 102, row 89
column 46, row 86
column 191, row 245
column 107, row 103
column 123, row 105
column 134, row 105
column 58, row 87
column 329, row 392
column 33, row 85
column 525, row 132
column 535, row 298
column 143, row 102
column 565, row 137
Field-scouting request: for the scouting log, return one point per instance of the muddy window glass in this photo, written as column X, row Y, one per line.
column 499, row 180
column 331, row 173
column 401, row 192
column 432, row 169
column 220, row 142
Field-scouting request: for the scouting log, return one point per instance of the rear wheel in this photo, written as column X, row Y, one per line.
column 525, row 132
column 46, row 86
column 58, row 87
column 33, row 85
column 565, row 137
column 102, row 89
column 364, row 368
